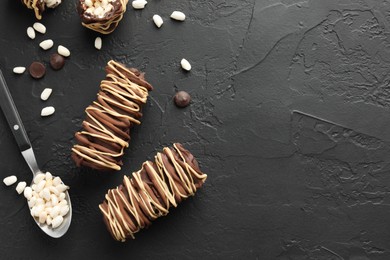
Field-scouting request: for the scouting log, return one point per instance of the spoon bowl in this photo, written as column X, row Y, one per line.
column 15, row 123
column 63, row 228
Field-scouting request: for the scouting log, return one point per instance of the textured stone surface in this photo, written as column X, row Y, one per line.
column 289, row 117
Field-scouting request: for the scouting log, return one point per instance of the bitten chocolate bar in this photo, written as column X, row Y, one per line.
column 101, row 15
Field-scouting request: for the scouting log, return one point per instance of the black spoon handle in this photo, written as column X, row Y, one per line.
column 11, row 114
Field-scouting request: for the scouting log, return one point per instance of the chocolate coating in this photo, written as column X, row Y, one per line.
column 106, row 24
column 37, row 70
column 151, row 191
column 36, row 5
column 182, row 99
column 39, row 6
column 57, row 61
column 106, row 129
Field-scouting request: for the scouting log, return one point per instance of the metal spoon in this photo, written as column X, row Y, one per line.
column 15, row 123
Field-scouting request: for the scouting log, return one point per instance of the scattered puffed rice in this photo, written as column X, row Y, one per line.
column 63, row 51
column 20, row 187
column 46, row 93
column 46, row 44
column 139, row 4
column 158, row 21
column 98, row 43
column 39, row 27
column 179, row 16
column 47, row 111
column 19, row 70
column 31, row 33
column 10, row 180
column 52, row 3
column 185, row 65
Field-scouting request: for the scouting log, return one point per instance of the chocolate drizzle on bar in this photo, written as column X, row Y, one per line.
column 39, row 6
column 158, row 185
column 106, row 129
column 103, row 24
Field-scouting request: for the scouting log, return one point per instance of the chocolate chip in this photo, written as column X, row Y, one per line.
column 57, row 61
column 37, row 70
column 182, row 99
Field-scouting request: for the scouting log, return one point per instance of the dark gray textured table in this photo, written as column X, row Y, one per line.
column 290, row 120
